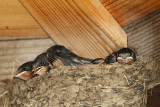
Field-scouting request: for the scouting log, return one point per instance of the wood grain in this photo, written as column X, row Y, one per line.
column 16, row 21
column 85, row 27
column 144, row 35
column 127, row 11
column 14, row 53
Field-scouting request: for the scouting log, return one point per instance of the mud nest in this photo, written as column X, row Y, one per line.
column 113, row 85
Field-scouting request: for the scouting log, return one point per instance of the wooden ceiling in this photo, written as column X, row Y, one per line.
column 127, row 11
column 16, row 21
column 85, row 27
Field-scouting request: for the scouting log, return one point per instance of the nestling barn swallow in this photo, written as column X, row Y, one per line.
column 67, row 57
column 25, row 71
column 40, row 65
column 109, row 59
column 126, row 56
column 97, row 60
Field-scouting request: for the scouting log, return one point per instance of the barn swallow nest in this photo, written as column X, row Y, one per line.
column 113, row 85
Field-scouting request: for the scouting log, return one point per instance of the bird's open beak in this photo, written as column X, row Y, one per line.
column 102, row 63
column 36, row 70
column 25, row 75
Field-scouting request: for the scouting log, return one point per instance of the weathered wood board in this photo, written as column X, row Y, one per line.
column 144, row 35
column 15, row 52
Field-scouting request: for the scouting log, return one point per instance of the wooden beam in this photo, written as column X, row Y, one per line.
column 16, row 21
column 127, row 11
column 22, row 31
column 84, row 26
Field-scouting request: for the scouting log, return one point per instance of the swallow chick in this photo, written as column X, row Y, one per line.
column 25, row 71
column 126, row 56
column 40, row 65
column 111, row 58
column 67, row 57
column 60, row 52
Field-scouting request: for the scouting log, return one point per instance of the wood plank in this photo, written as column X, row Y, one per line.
column 143, row 8
column 118, row 5
column 85, row 27
column 108, row 2
column 16, row 21
column 144, row 35
column 22, row 31
column 127, row 11
column 17, row 38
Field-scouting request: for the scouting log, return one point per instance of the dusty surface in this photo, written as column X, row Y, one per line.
column 115, row 85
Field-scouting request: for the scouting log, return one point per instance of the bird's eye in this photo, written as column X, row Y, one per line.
column 43, row 63
column 26, row 69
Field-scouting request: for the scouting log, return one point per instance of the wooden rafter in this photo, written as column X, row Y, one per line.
column 15, row 20
column 128, row 11
column 84, row 26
